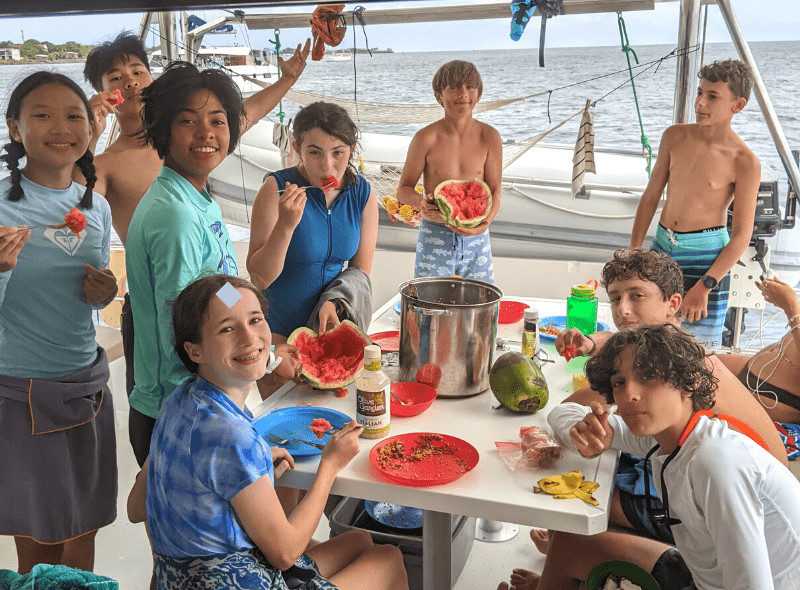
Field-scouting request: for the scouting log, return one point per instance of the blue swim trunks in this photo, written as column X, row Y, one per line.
column 442, row 253
column 695, row 252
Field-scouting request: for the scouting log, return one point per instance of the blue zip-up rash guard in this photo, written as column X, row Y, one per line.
column 321, row 243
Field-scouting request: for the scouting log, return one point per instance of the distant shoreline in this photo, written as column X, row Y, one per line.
column 27, row 62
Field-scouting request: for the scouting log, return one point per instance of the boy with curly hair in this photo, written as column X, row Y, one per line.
column 731, row 506
column 456, row 147
column 704, row 167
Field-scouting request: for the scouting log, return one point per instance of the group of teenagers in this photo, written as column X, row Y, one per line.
column 197, row 337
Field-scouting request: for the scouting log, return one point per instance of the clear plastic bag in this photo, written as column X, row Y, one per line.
column 537, row 449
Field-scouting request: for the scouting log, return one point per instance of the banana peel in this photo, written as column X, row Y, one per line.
column 567, row 486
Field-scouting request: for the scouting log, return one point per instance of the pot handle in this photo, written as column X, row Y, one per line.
column 432, row 311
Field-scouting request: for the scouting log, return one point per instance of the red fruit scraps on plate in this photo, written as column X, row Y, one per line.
column 117, row 99
column 319, row 426
column 569, row 352
column 328, row 183
column 341, row 392
column 75, row 221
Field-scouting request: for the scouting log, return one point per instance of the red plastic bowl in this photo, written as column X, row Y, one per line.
column 420, row 395
column 511, row 312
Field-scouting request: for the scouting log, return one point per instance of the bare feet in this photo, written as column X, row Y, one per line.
column 541, row 539
column 521, row 580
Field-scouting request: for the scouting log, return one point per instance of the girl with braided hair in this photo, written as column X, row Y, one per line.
column 56, row 414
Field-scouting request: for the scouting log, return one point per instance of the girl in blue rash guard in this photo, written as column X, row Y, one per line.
column 311, row 219
column 58, row 453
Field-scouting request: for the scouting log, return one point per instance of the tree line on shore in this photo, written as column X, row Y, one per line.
column 31, row 48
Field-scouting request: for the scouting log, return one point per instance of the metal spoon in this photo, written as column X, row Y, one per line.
column 398, row 399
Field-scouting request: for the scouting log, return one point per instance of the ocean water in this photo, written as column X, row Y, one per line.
column 590, row 73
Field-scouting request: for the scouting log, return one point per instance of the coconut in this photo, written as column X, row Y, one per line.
column 518, row 383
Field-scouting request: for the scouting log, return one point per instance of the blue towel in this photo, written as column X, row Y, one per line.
column 55, row 577
column 521, row 13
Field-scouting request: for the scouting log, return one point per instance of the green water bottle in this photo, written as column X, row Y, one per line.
column 582, row 308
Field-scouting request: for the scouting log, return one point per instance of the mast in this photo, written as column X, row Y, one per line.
column 686, row 75
column 169, row 45
column 760, row 90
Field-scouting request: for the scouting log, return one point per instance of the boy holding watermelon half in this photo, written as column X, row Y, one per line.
column 460, row 160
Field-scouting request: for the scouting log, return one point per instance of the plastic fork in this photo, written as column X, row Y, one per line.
column 285, row 441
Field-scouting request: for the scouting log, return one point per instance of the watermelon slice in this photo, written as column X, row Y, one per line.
column 319, row 426
column 328, row 183
column 334, row 359
column 75, row 221
column 463, row 203
column 114, row 101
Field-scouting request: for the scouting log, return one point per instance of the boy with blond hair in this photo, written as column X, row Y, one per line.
column 454, row 147
column 704, row 167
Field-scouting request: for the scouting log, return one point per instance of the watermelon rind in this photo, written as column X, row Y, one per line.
column 447, row 209
column 351, row 361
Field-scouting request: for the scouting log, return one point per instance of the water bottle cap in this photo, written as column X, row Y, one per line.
column 531, row 314
column 583, row 290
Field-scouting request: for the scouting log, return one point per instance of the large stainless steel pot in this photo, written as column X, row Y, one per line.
column 447, row 329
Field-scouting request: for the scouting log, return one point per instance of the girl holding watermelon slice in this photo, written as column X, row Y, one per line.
column 215, row 519
column 58, row 458
column 307, row 222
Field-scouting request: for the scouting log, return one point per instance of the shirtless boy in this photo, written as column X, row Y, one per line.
column 455, row 147
column 704, row 167
column 127, row 168
column 644, row 288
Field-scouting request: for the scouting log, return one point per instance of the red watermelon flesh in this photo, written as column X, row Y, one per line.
column 334, row 359
column 319, row 426
column 464, row 203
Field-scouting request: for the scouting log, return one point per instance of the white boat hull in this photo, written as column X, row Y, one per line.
column 538, row 217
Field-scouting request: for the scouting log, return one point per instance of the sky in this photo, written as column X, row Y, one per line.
column 767, row 20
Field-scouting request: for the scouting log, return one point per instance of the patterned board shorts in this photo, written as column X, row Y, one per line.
column 443, row 253
column 695, row 252
column 243, row 570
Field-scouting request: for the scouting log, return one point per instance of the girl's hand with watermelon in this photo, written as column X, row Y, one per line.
column 342, row 447
column 328, row 318
column 291, row 204
column 290, row 367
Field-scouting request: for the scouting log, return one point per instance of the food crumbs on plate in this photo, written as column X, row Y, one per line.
column 341, row 392
column 550, row 330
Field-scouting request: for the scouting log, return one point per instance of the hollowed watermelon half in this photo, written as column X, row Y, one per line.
column 334, row 359
column 463, row 203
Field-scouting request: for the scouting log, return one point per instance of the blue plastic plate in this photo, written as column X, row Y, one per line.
column 396, row 308
column 560, row 322
column 394, row 515
column 294, row 422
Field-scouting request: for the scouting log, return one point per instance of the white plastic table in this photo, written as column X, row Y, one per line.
column 491, row 490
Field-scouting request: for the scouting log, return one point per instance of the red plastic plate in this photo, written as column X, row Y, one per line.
column 388, row 341
column 433, row 470
column 511, row 311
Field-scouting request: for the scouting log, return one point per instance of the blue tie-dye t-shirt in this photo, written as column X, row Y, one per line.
column 203, row 452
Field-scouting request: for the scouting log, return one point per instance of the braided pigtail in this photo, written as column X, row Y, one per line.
column 86, row 166
column 15, row 151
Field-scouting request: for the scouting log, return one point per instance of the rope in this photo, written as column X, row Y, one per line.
column 277, row 44
column 566, row 210
column 627, row 49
